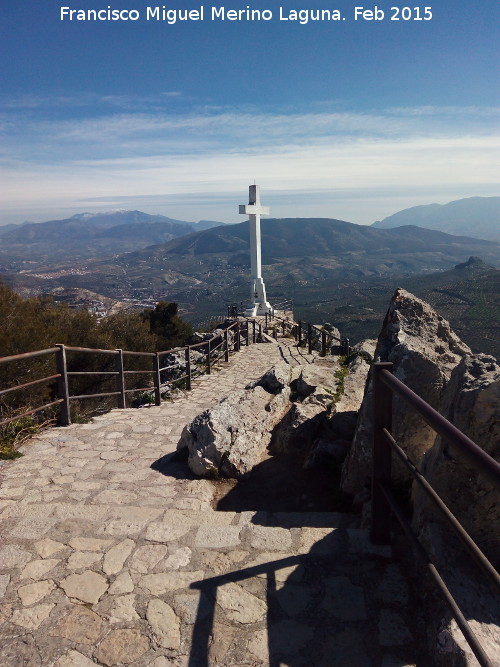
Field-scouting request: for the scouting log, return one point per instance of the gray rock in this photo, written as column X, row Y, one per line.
column 81, row 625
column 424, row 351
column 122, row 647
column 471, row 402
column 232, row 437
column 87, row 587
column 274, row 380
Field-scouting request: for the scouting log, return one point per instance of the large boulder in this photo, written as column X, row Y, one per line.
column 424, row 351
column 471, row 401
column 231, row 438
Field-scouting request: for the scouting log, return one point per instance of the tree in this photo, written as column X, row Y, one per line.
column 167, row 325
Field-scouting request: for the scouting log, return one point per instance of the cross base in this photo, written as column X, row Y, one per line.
column 257, row 308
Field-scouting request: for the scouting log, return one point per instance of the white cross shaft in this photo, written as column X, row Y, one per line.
column 258, row 304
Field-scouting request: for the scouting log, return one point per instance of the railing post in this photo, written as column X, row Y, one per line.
column 323, row 343
column 299, row 334
column 237, row 343
column 62, row 385
column 226, row 345
column 254, row 340
column 247, row 335
column 382, row 456
column 187, row 356
column 209, row 361
column 266, row 319
column 309, row 337
column 260, row 331
column 120, row 379
column 156, row 378
column 345, row 346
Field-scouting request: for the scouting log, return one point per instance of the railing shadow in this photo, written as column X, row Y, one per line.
column 281, row 604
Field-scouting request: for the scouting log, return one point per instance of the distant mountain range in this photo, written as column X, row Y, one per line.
column 315, row 239
column 94, row 235
column 476, row 216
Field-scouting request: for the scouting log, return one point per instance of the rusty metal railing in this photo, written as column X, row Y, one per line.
column 217, row 347
column 384, row 502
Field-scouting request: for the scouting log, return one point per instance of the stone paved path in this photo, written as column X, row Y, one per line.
column 109, row 556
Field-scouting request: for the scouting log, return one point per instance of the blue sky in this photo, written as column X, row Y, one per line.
column 347, row 119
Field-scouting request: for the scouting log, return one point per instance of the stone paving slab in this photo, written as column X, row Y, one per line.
column 111, row 554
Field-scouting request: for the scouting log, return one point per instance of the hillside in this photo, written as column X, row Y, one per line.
column 468, row 296
column 85, row 235
column 476, row 216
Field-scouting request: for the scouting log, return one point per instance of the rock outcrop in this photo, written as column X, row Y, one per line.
column 471, row 402
column 424, row 351
column 231, row 437
column 314, row 392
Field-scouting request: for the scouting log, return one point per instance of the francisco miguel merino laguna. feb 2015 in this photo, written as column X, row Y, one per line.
column 171, row 16
column 210, row 13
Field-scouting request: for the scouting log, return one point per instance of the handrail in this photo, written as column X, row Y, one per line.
column 383, row 501
column 469, row 450
column 63, row 375
column 28, row 355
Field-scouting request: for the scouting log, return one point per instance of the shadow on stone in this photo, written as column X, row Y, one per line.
column 174, row 465
column 322, row 607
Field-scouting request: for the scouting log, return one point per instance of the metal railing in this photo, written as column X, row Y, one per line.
column 384, row 502
column 310, row 335
column 237, row 308
column 183, row 364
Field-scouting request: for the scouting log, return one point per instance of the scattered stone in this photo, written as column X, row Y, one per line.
column 392, row 629
column 122, row 584
column 74, row 659
column 47, row 547
column 33, row 617
column 4, row 582
column 239, row 604
column 161, row 532
column 32, row 593
column 89, row 544
column 217, row 537
column 270, row 539
column 32, row 528
column 180, row 558
column 83, row 559
column 121, row 647
column 38, row 568
column 146, row 557
column 116, row 556
column 20, row 650
column 222, row 637
column 158, row 584
column 13, row 556
column 123, row 609
column 164, row 623
column 112, row 497
column 321, row 541
column 87, row 587
column 187, row 606
column 258, row 646
column 81, row 625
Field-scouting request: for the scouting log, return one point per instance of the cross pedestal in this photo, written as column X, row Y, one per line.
column 258, row 304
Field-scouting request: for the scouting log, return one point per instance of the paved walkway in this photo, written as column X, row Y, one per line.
column 112, row 554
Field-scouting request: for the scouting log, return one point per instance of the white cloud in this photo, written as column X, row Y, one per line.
column 448, row 151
